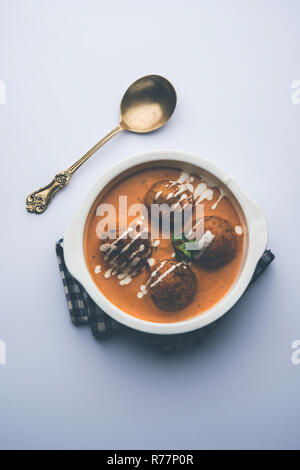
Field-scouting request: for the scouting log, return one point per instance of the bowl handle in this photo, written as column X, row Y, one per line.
column 73, row 251
column 260, row 231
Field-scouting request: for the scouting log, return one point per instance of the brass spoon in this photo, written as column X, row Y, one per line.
column 146, row 105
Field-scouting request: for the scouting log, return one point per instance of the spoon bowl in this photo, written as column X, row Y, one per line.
column 147, row 104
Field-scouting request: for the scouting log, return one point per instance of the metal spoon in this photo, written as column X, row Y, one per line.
column 146, row 105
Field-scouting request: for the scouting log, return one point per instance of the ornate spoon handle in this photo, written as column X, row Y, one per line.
column 39, row 200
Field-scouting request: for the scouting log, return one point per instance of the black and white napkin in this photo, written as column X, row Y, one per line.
column 83, row 309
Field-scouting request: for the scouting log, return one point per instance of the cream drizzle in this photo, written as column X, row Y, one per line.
column 121, row 276
column 158, row 194
column 199, row 193
column 184, row 182
column 191, row 233
column 125, row 281
column 165, row 274
column 124, row 277
column 104, row 247
column 222, row 194
column 143, row 288
column 140, row 248
column 150, row 262
column 143, row 291
column 128, row 245
column 108, row 273
column 201, row 245
column 112, row 246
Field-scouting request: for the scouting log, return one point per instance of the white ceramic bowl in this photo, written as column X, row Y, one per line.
column 255, row 233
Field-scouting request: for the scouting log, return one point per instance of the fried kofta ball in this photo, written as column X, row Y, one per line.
column 173, row 285
column 214, row 249
column 222, row 248
column 170, row 193
column 126, row 251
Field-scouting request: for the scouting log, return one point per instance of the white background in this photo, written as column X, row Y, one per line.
column 66, row 65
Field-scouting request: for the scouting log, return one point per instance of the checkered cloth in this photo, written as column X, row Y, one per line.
column 83, row 309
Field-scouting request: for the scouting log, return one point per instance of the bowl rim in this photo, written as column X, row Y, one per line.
column 257, row 242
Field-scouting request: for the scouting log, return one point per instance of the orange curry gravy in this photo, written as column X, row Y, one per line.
column 212, row 284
